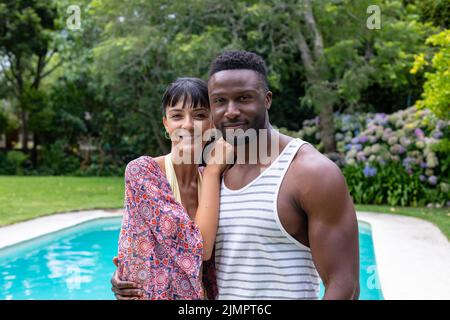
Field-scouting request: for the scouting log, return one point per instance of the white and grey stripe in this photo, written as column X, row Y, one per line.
column 255, row 257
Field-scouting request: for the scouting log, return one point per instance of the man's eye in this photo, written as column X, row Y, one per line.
column 244, row 98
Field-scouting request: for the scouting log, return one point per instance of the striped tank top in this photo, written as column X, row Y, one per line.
column 255, row 256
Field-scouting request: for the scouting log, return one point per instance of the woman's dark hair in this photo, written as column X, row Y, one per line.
column 192, row 90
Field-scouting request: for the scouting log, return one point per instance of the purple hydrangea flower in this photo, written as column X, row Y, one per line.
column 437, row 134
column 363, row 139
column 422, row 178
column 432, row 180
column 369, row 171
column 407, row 162
column 419, row 133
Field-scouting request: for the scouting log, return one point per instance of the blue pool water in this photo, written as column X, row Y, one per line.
column 76, row 263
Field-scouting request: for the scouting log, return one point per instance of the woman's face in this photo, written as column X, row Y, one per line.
column 187, row 125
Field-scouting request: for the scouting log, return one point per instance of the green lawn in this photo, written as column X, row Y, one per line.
column 439, row 217
column 23, row 198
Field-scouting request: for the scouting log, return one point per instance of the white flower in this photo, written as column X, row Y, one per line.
column 376, row 148
column 392, row 140
column 350, row 161
column 432, row 160
column 420, row 144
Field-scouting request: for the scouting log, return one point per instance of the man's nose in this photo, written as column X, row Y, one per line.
column 232, row 111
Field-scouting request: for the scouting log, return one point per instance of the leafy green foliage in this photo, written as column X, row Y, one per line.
column 436, row 95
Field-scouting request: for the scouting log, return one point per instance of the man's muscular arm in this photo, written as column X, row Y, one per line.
column 332, row 223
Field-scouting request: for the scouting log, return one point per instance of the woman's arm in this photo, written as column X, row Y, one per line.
column 207, row 215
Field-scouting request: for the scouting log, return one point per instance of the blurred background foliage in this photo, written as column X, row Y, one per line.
column 87, row 101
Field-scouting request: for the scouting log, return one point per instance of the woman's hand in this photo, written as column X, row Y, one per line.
column 220, row 158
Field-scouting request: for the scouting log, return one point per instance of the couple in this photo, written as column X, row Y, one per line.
column 282, row 224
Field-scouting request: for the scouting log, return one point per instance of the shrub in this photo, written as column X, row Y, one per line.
column 397, row 159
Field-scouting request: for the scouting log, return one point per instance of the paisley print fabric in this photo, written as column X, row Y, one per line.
column 160, row 247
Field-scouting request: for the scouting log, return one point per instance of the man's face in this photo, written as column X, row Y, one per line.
column 238, row 100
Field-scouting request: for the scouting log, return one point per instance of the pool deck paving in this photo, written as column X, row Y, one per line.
column 412, row 255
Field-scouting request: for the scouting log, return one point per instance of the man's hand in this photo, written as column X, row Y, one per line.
column 125, row 290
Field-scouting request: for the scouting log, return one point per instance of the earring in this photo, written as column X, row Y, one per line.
column 166, row 135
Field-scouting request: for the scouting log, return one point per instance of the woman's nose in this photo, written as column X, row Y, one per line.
column 188, row 123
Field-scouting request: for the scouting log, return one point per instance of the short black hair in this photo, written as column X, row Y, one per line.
column 232, row 60
column 194, row 90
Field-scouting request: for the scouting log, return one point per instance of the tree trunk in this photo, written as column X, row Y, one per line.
column 311, row 54
column 24, row 119
column 34, row 153
column 327, row 128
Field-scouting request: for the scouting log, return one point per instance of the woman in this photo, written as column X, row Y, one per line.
column 170, row 222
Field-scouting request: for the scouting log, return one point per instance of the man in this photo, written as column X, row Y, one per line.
column 282, row 224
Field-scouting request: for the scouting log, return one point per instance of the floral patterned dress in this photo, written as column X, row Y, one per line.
column 160, row 247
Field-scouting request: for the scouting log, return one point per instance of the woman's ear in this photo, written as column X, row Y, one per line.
column 164, row 120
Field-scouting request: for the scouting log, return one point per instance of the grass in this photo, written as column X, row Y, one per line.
column 439, row 217
column 24, row 198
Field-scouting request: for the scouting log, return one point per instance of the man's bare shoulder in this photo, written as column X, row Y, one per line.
column 314, row 173
column 310, row 162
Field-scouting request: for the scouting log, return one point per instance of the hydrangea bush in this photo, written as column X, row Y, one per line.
column 396, row 159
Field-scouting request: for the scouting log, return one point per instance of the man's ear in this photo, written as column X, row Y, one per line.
column 268, row 100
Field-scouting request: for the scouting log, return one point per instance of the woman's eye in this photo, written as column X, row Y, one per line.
column 175, row 116
column 218, row 100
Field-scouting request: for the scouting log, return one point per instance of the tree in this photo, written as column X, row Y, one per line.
column 27, row 52
column 436, row 90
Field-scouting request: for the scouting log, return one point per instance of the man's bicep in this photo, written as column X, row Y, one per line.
column 332, row 228
column 334, row 247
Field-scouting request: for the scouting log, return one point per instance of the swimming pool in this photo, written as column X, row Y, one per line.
column 76, row 263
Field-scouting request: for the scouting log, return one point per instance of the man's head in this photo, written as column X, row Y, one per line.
column 238, row 91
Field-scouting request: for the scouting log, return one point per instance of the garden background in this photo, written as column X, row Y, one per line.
column 367, row 82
